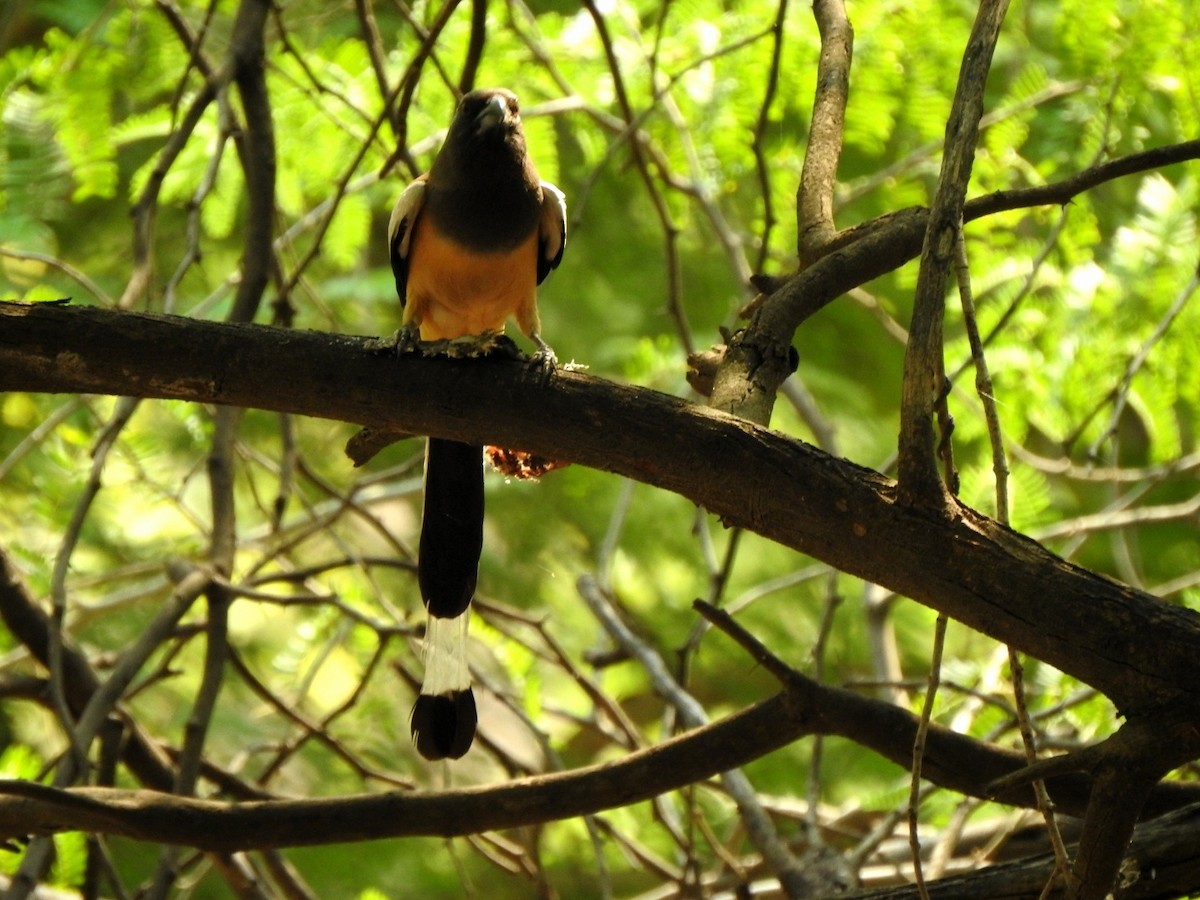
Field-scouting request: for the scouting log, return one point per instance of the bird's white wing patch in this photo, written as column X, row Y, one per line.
column 404, row 213
column 552, row 229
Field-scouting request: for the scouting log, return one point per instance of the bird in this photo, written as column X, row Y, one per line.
column 469, row 243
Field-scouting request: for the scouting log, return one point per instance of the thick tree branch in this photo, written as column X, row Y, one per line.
column 1133, row 647
column 952, row 760
column 759, row 358
column 1127, row 766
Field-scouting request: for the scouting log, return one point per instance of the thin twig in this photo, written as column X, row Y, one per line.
column 918, row 753
column 66, row 268
column 466, row 81
column 811, row 820
column 983, row 387
column 758, row 143
column 758, row 825
column 1119, row 395
column 75, row 764
column 365, row 12
column 670, row 229
column 983, row 378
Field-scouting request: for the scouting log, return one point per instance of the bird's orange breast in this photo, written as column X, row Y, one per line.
column 454, row 290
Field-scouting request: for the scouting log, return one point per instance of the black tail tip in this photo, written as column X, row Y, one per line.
column 444, row 725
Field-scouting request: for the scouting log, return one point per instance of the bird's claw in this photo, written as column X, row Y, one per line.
column 408, row 341
column 402, row 343
column 544, row 360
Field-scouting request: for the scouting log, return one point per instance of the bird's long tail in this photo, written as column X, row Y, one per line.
column 444, row 718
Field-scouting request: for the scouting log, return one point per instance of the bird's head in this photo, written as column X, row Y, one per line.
column 500, row 108
column 485, row 137
column 483, row 112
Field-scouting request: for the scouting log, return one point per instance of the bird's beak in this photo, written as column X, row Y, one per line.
column 495, row 113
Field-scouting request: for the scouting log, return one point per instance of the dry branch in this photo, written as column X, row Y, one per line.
column 814, row 198
column 758, row 358
column 952, row 760
column 1136, row 649
column 1162, row 862
column 924, row 369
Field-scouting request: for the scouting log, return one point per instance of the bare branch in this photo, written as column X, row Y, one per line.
column 248, row 65
column 758, row 361
column 759, row 827
column 924, row 369
column 952, row 760
column 1133, row 647
column 920, row 743
column 814, row 198
column 670, row 229
column 760, row 134
column 29, row 624
column 466, row 81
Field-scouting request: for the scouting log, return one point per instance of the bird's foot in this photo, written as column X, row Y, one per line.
column 544, row 360
column 402, row 343
column 408, row 340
